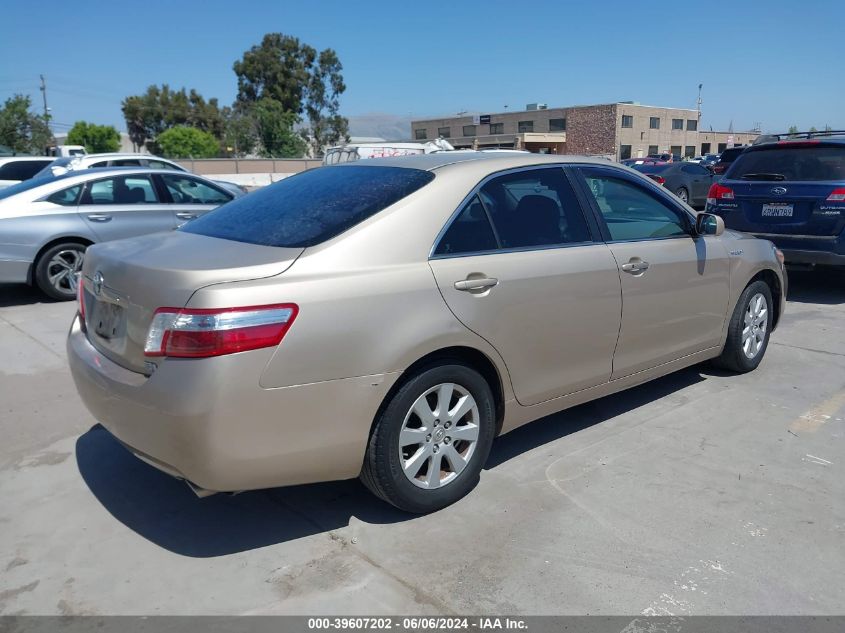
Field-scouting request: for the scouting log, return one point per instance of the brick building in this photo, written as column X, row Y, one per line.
column 616, row 130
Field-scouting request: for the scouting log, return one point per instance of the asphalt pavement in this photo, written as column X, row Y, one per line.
column 699, row 493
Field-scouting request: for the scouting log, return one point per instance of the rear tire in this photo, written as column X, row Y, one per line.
column 431, row 440
column 683, row 194
column 748, row 330
column 57, row 269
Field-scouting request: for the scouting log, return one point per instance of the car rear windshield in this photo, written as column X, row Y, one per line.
column 311, row 207
column 652, row 168
column 796, row 164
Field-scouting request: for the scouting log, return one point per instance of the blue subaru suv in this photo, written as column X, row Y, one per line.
column 790, row 190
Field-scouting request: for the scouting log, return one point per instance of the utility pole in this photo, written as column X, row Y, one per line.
column 44, row 94
column 698, row 102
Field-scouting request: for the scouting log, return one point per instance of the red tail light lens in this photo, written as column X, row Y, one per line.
column 837, row 195
column 658, row 179
column 719, row 169
column 201, row 333
column 719, row 192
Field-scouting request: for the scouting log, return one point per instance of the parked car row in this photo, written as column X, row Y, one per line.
column 47, row 223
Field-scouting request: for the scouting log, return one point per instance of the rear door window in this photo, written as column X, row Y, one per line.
column 187, row 190
column 311, row 207
column 120, row 190
column 796, row 164
column 21, row 169
column 469, row 232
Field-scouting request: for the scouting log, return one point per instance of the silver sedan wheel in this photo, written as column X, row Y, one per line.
column 682, row 194
column 63, row 270
column 439, row 436
column 755, row 321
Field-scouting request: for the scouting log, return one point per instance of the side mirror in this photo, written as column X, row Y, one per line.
column 709, row 224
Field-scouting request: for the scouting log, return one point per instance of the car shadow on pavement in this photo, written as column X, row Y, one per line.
column 821, row 286
column 19, row 295
column 165, row 511
column 569, row 421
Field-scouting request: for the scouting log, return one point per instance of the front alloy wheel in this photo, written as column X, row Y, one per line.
column 755, row 324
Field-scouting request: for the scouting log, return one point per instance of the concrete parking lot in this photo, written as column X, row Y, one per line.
column 699, row 493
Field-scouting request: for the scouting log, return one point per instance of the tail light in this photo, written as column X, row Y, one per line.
column 80, row 300
column 719, row 169
column 201, row 333
column 719, row 192
column 658, row 179
column 837, row 195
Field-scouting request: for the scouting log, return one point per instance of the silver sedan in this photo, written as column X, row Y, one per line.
column 46, row 225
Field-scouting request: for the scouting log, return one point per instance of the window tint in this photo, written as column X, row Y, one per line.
column 119, row 190
column 632, row 213
column 102, row 163
column 187, row 190
column 21, row 169
column 695, row 169
column 557, row 125
column 125, row 162
column 66, row 197
column 160, row 164
column 470, row 232
column 310, row 207
column 793, row 163
column 534, row 208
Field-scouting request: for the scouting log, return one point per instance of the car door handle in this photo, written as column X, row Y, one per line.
column 99, row 217
column 184, row 215
column 635, row 267
column 476, row 284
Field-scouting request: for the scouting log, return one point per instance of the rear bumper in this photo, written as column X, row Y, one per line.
column 809, row 249
column 825, row 258
column 209, row 421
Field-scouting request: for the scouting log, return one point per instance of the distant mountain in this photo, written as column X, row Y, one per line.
column 387, row 126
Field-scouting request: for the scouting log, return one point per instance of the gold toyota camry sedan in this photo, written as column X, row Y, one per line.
column 387, row 319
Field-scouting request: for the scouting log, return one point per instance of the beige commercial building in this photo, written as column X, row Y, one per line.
column 616, row 130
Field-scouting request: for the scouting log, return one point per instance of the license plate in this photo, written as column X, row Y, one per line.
column 777, row 210
column 107, row 319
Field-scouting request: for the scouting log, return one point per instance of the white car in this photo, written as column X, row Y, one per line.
column 15, row 169
column 61, row 166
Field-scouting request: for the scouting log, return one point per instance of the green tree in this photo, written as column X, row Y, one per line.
column 291, row 73
column 813, row 129
column 21, row 129
column 95, row 138
column 279, row 68
column 322, row 103
column 793, row 129
column 239, row 137
column 274, row 129
column 187, row 142
column 161, row 108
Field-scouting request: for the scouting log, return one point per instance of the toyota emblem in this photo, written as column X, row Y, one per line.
column 98, row 283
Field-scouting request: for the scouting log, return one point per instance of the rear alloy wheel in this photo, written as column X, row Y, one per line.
column 748, row 330
column 57, row 270
column 683, row 194
column 430, row 442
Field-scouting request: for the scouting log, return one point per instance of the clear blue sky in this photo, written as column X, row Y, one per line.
column 774, row 62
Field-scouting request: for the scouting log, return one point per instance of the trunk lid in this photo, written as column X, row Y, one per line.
column 792, row 208
column 125, row 281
